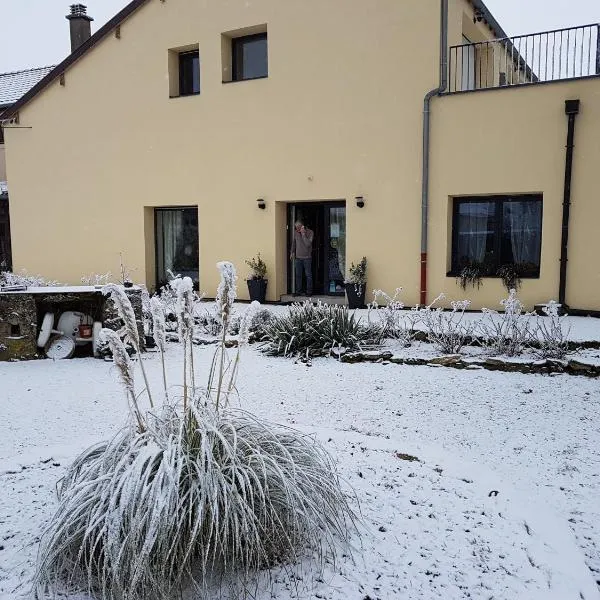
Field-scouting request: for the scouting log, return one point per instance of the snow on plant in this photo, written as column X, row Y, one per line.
column 23, row 278
column 97, row 279
column 394, row 321
column 129, row 331
column 160, row 335
column 448, row 330
column 198, row 496
column 309, row 330
column 508, row 333
column 552, row 332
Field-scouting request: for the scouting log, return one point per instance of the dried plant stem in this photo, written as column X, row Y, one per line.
column 164, row 374
column 148, row 391
column 185, row 384
column 221, row 363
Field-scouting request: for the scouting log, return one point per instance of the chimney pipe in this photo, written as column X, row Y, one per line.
column 80, row 24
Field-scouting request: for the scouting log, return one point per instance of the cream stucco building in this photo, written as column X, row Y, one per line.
column 410, row 132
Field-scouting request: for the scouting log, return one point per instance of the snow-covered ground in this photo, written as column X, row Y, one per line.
column 430, row 527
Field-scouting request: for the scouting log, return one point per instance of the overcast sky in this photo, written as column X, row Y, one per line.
column 34, row 33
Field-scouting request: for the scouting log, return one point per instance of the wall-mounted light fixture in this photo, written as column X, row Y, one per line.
column 261, row 203
column 360, row 201
column 478, row 16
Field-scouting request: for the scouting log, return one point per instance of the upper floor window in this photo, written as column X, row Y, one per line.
column 1, row 134
column 249, row 57
column 189, row 73
column 495, row 231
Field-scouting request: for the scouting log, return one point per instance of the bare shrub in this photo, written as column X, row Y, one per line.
column 552, row 332
column 508, row 333
column 388, row 313
column 448, row 330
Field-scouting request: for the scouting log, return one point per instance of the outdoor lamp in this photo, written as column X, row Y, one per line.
column 360, row 201
column 261, row 203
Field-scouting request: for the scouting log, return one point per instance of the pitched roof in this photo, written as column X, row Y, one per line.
column 73, row 57
column 14, row 85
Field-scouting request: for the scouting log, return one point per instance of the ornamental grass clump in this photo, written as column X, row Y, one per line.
column 192, row 496
column 317, row 329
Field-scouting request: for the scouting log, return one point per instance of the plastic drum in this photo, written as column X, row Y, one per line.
column 97, row 328
column 61, row 347
column 46, row 330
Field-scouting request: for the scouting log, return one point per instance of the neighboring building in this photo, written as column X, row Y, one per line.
column 12, row 87
column 183, row 133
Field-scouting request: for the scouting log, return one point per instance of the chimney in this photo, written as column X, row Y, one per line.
column 81, row 29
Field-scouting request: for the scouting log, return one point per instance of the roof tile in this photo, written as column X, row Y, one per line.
column 14, row 85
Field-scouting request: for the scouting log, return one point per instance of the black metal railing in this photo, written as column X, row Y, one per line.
column 537, row 57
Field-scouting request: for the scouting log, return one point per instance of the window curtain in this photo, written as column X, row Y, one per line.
column 473, row 230
column 170, row 228
column 524, row 220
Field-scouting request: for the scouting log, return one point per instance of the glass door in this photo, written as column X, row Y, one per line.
column 176, row 234
column 335, row 243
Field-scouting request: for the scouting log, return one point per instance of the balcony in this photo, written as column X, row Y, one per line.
column 555, row 55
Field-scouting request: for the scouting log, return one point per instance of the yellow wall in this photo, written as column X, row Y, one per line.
column 512, row 141
column 338, row 116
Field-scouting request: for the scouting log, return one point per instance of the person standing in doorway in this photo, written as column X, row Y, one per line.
column 302, row 255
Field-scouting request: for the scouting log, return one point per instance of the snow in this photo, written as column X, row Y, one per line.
column 430, row 528
column 62, row 289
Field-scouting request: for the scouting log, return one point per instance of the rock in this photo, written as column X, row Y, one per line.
column 446, row 360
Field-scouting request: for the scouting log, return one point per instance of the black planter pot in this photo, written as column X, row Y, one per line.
column 257, row 288
column 356, row 295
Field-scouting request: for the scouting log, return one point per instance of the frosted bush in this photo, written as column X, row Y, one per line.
column 388, row 313
column 192, row 494
column 448, row 330
column 508, row 333
column 97, row 279
column 23, row 278
column 552, row 332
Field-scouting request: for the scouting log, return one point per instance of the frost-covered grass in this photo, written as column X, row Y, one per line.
column 190, row 495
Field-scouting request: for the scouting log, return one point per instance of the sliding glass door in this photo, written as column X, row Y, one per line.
column 176, row 233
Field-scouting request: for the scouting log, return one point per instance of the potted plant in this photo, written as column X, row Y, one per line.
column 470, row 274
column 257, row 279
column 511, row 276
column 356, row 284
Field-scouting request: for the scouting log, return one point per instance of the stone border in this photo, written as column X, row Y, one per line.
column 455, row 361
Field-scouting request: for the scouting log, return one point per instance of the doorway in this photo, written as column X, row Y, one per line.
column 328, row 222
column 176, row 239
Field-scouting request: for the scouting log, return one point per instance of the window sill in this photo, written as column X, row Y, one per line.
column 185, row 95
column 249, row 79
column 455, row 275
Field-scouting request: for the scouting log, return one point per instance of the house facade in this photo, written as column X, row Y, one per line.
column 12, row 86
column 413, row 133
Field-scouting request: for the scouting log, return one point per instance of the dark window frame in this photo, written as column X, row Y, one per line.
column 237, row 65
column 183, row 58
column 1, row 135
column 498, row 202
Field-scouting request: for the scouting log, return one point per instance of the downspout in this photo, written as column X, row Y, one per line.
column 571, row 110
column 426, row 132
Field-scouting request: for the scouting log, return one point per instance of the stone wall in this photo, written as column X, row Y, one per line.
column 21, row 315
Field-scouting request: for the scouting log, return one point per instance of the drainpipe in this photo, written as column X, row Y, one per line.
column 426, row 132
column 571, row 110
